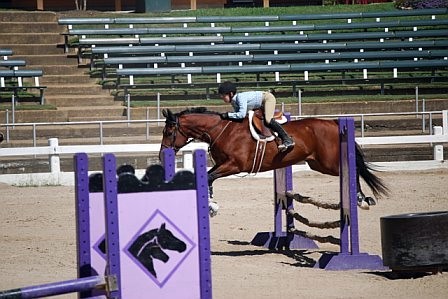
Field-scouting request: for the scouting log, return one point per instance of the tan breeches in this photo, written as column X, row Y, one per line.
column 269, row 102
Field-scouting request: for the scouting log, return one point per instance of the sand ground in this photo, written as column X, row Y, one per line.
column 37, row 239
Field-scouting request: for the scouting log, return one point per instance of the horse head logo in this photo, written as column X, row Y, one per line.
column 152, row 245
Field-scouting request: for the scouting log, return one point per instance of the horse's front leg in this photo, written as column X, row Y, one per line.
column 214, row 173
column 213, row 206
column 211, row 175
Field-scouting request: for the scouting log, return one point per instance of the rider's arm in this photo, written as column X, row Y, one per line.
column 240, row 107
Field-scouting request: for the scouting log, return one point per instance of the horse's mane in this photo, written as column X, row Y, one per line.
column 196, row 110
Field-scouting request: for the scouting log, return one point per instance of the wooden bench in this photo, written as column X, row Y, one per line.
column 360, row 48
column 264, row 33
column 132, row 26
column 5, row 53
column 190, row 44
column 244, row 52
column 16, row 81
column 13, row 64
column 385, row 60
column 240, row 59
column 296, row 74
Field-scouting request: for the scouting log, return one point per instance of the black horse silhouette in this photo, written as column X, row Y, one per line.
column 151, row 244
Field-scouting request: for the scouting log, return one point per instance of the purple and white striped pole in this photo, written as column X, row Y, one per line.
column 56, row 288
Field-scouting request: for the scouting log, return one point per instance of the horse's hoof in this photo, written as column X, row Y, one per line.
column 213, row 208
column 370, row 201
column 363, row 205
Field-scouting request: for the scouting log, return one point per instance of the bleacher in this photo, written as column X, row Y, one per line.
column 290, row 50
column 15, row 81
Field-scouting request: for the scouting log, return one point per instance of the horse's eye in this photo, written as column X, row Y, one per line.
column 168, row 131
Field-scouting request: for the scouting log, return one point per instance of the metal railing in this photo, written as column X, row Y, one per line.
column 34, row 127
column 54, row 151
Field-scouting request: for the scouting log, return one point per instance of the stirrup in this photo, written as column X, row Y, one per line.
column 286, row 145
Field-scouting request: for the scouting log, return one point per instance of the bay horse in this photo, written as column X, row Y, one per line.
column 234, row 150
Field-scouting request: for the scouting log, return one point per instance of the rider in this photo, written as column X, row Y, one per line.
column 250, row 100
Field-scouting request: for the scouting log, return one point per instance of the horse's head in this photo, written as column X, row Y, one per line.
column 171, row 137
column 186, row 126
column 167, row 240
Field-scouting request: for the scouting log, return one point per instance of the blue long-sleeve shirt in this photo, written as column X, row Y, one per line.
column 244, row 101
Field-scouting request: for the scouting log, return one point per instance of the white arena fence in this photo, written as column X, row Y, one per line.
column 438, row 136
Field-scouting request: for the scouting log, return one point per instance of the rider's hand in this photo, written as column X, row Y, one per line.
column 224, row 115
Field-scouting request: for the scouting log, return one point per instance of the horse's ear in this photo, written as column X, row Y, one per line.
column 168, row 114
column 162, row 226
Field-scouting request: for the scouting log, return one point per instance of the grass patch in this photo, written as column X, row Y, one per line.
column 249, row 11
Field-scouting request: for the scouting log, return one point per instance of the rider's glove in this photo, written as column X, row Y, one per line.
column 224, row 115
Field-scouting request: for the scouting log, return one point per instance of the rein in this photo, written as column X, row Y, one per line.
column 219, row 135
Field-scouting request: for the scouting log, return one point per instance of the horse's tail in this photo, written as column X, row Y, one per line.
column 376, row 184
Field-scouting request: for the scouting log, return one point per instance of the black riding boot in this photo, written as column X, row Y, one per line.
column 287, row 141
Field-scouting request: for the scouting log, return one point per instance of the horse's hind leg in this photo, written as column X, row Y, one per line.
column 364, row 202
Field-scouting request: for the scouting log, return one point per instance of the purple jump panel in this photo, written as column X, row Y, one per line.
column 349, row 256
column 162, row 226
column 148, row 266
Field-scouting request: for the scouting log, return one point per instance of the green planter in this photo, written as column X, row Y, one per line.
column 153, row 5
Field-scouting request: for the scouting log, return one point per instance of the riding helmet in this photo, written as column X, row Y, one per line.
column 227, row 88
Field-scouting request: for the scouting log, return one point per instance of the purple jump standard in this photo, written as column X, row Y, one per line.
column 282, row 238
column 349, row 256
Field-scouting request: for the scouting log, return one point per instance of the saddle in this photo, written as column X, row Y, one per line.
column 257, row 125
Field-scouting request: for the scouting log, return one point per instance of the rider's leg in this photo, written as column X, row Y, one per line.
column 287, row 142
column 269, row 102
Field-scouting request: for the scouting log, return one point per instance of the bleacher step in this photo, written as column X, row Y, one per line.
column 75, row 78
column 31, row 38
column 75, row 89
column 36, row 38
column 51, row 60
column 64, row 101
column 27, row 16
column 68, row 69
column 85, row 134
column 94, row 113
column 30, row 27
column 32, row 49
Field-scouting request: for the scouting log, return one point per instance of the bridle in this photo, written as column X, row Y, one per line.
column 202, row 135
column 173, row 136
